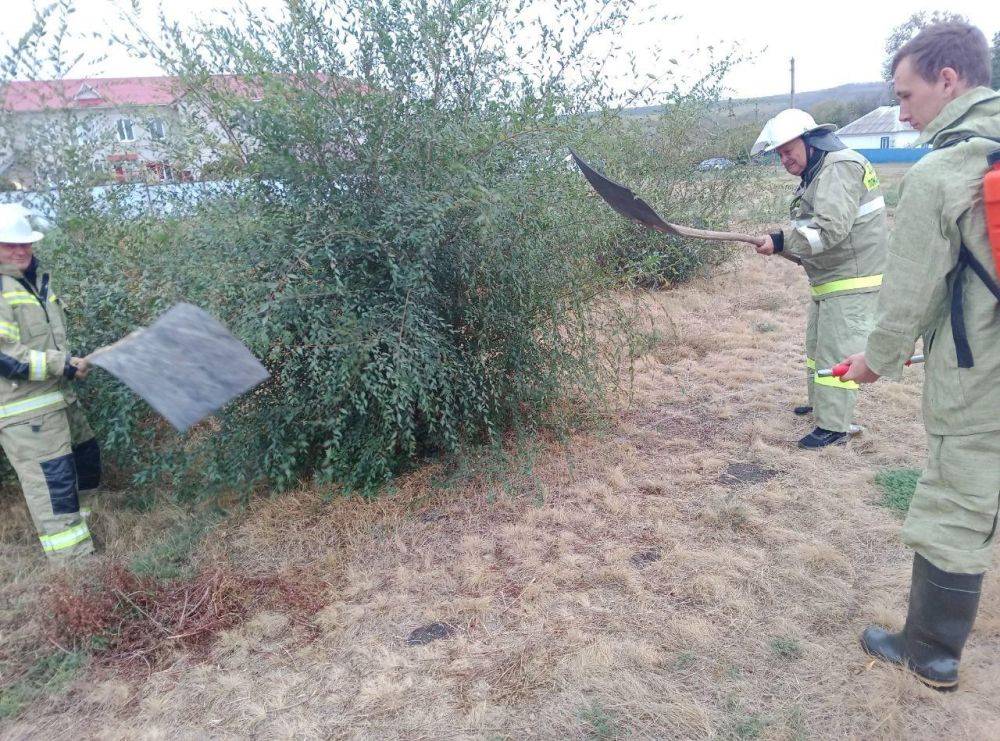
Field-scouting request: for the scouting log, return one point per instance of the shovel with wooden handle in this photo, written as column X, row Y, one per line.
column 186, row 365
column 628, row 204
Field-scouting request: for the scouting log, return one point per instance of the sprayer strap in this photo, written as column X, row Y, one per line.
column 966, row 259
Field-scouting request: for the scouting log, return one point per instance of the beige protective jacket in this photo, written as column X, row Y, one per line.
column 941, row 208
column 33, row 348
column 838, row 227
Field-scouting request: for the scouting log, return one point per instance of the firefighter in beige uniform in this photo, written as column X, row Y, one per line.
column 42, row 429
column 838, row 232
column 942, row 283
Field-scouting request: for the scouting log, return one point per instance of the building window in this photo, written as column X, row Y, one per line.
column 157, row 129
column 125, row 130
column 84, row 133
column 160, row 170
column 885, row 142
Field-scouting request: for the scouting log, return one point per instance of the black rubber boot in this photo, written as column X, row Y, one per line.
column 820, row 438
column 942, row 610
column 802, row 411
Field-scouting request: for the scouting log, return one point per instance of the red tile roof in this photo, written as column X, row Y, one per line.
column 111, row 92
column 46, row 95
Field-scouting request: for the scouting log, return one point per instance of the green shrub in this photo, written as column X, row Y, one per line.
column 402, row 244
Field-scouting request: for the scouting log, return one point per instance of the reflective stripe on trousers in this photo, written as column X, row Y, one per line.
column 65, row 538
column 835, row 383
column 847, row 284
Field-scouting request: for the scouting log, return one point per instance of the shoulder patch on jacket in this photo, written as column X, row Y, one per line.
column 871, row 177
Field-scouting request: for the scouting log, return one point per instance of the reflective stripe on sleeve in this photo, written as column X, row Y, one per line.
column 812, row 236
column 37, row 367
column 871, row 207
column 810, row 364
column 10, row 331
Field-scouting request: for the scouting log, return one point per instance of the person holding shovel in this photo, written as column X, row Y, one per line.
column 838, row 232
column 942, row 283
column 42, row 428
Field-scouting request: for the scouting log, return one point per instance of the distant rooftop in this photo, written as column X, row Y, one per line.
column 883, row 120
column 36, row 96
column 20, row 96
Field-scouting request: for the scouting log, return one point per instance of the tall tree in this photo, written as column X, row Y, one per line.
column 911, row 27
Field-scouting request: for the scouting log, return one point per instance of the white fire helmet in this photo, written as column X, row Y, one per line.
column 790, row 124
column 15, row 225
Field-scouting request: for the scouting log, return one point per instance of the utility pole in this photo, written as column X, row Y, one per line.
column 792, row 103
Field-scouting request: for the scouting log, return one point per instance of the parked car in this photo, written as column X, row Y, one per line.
column 715, row 163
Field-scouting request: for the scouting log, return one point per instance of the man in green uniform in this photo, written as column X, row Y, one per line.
column 42, row 429
column 838, row 233
column 940, row 284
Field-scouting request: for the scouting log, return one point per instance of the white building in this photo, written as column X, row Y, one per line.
column 132, row 129
column 880, row 129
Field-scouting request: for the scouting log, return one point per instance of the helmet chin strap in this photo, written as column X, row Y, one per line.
column 818, row 144
column 814, row 159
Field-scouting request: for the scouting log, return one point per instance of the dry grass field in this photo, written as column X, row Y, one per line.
column 679, row 570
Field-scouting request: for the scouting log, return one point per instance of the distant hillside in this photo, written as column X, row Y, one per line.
column 840, row 104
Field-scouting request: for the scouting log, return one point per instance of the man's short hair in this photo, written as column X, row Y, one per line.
column 961, row 46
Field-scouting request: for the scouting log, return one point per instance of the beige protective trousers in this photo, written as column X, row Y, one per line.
column 838, row 326
column 55, row 456
column 952, row 520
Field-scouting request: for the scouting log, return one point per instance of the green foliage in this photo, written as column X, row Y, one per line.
column 740, row 723
column 752, row 726
column 897, row 487
column 684, row 660
column 657, row 158
column 47, row 676
column 910, row 28
column 171, row 558
column 843, row 112
column 398, row 238
column 786, row 647
column 598, row 723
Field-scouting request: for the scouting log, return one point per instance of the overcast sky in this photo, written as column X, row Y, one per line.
column 833, row 43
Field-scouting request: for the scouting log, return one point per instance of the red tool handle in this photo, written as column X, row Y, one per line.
column 840, row 369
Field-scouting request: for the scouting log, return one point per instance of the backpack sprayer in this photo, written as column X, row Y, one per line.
column 991, row 200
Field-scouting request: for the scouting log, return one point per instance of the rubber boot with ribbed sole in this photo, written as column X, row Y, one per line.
column 942, row 611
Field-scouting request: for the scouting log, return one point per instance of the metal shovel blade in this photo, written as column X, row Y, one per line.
column 186, row 365
column 621, row 198
column 632, row 207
